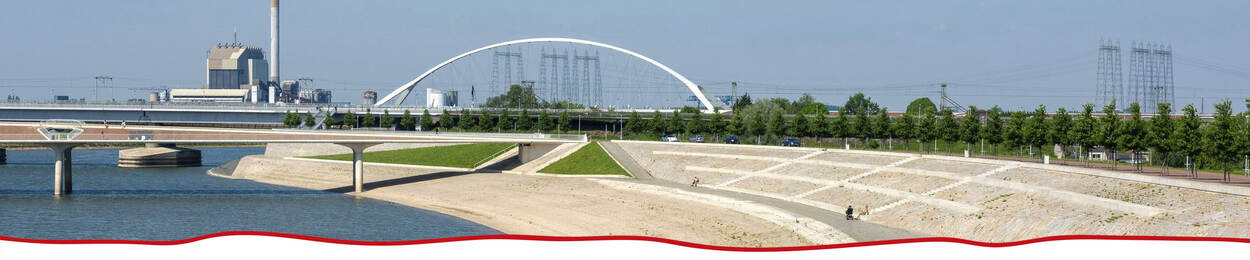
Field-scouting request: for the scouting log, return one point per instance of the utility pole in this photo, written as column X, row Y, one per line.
column 733, row 94
column 942, row 103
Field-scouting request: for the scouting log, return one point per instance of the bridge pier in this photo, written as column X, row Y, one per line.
column 63, row 169
column 358, row 164
column 532, row 151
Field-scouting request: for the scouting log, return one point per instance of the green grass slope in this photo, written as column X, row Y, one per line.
column 590, row 159
column 462, row 156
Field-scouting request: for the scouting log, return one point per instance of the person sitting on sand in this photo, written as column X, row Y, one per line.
column 850, row 213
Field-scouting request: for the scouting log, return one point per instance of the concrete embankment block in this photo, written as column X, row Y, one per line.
column 158, row 156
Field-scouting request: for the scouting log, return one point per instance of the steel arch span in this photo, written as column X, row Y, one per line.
column 402, row 91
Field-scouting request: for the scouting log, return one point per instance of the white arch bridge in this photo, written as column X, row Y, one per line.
column 398, row 96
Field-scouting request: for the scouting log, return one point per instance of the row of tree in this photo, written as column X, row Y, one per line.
column 1223, row 140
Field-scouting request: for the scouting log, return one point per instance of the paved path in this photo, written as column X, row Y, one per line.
column 626, row 160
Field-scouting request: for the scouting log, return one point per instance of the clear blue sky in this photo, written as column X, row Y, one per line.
column 772, row 47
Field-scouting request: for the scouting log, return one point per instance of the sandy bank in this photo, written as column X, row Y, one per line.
column 534, row 205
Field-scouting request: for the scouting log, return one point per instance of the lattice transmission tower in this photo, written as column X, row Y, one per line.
column 1110, row 81
column 509, row 58
column 550, row 84
column 589, row 89
column 1150, row 75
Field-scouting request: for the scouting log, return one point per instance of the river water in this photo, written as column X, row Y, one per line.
column 177, row 203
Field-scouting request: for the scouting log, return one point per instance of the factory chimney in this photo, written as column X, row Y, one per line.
column 273, row 41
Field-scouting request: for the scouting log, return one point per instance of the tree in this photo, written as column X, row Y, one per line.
column 1060, row 125
column 695, row 125
column 924, row 132
column 485, row 122
column 904, row 131
column 1188, row 136
column 370, row 120
column 1037, row 129
column 468, row 122
column 446, row 121
column 349, row 119
column 993, row 132
column 920, row 106
column 817, row 126
column 758, row 126
column 290, row 119
column 1107, row 135
column 737, row 125
column 776, row 124
column 544, row 122
column 859, row 104
column 1161, row 139
column 675, row 123
column 517, row 97
column 862, row 128
column 525, row 123
column 409, row 123
column 388, row 121
column 310, row 120
column 689, row 110
column 798, row 126
column 1082, row 133
column 1013, row 132
column 634, row 123
column 948, row 128
column 658, row 125
column 716, row 126
column 742, row 102
column 327, row 122
column 504, row 123
column 838, row 127
column 565, row 123
column 970, row 127
column 883, row 128
column 1218, row 138
column 1131, row 132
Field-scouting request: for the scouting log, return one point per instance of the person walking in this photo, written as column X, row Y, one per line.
column 850, row 212
column 695, row 182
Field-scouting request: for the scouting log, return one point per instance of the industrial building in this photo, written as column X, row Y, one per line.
column 319, row 96
column 209, row 95
column 439, row 98
column 233, row 66
column 370, row 97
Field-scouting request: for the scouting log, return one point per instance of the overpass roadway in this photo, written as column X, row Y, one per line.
column 531, row 145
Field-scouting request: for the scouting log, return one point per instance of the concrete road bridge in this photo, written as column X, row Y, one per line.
column 531, row 145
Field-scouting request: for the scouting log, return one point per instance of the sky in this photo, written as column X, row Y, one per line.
column 1015, row 54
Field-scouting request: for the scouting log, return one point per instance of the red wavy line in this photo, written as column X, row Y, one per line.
column 636, row 238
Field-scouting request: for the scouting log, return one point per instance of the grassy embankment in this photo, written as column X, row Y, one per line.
column 590, row 159
column 462, row 156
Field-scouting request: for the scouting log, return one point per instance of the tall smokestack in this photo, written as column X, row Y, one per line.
column 273, row 41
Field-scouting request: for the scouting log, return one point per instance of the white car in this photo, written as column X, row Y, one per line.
column 669, row 138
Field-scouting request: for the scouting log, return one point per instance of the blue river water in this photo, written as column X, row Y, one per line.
column 178, row 203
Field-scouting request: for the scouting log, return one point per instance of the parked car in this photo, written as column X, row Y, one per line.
column 791, row 141
column 668, row 138
column 731, row 139
column 697, row 139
